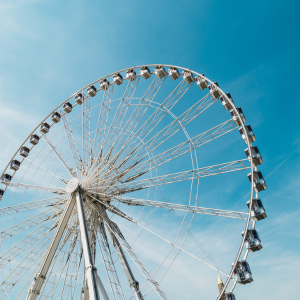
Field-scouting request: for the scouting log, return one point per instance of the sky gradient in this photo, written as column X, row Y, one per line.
column 50, row 49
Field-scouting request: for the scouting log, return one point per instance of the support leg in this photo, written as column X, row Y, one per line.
column 101, row 286
column 90, row 270
column 38, row 281
column 134, row 284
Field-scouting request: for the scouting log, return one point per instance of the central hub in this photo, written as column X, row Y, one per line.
column 72, row 185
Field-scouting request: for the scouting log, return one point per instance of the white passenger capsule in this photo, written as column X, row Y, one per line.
column 242, row 272
column 131, row 75
column 173, row 73
column 55, row 117
column 258, row 211
column 34, row 139
column 201, row 82
column 6, row 178
column 252, row 241
column 24, row 151
column 92, row 91
column 249, row 133
column 214, row 90
column 145, row 72
column 118, row 79
column 254, row 153
column 15, row 165
column 187, row 76
column 258, row 180
column 67, row 107
column 160, row 72
column 1, row 194
column 79, row 98
column 45, row 127
column 227, row 105
column 104, row 84
column 236, row 118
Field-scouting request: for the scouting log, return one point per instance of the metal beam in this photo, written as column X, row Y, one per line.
column 90, row 270
column 134, row 284
column 38, row 281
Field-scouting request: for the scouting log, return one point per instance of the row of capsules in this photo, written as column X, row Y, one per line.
column 242, row 270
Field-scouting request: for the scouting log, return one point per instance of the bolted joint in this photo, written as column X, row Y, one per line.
column 91, row 267
column 134, row 284
column 39, row 276
column 34, row 292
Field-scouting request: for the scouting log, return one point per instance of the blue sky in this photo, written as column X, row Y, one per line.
column 50, row 49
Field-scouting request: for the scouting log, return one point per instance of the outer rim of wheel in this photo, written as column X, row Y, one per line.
column 234, row 108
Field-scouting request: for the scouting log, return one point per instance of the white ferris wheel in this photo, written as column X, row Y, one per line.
column 107, row 195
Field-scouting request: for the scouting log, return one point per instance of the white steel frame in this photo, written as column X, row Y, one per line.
column 91, row 191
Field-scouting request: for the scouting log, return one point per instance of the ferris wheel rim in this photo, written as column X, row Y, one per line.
column 252, row 167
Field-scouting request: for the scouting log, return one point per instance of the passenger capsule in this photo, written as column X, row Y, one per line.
column 1, row 194
column 252, row 241
column 229, row 296
column 214, row 90
column 67, row 107
column 104, row 85
column 258, row 211
column 201, row 82
column 6, row 178
column 34, row 139
column 131, row 75
column 249, row 133
column 187, row 76
column 55, row 117
column 15, row 165
column 79, row 98
column 173, row 72
column 259, row 182
column 227, row 105
column 92, row 91
column 24, row 151
column 45, row 127
column 118, row 79
column 235, row 117
column 242, row 272
column 145, row 72
column 160, row 72
column 254, row 153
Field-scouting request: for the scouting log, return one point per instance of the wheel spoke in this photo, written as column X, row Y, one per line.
column 180, row 207
column 120, row 114
column 185, row 147
column 176, row 125
column 183, row 176
column 27, row 242
column 102, row 121
column 172, row 244
column 30, row 222
column 35, row 187
column 86, row 132
column 72, row 143
column 63, row 162
column 141, row 109
column 24, row 266
column 156, row 117
column 31, row 205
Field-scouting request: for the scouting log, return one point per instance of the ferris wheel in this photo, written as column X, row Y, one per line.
column 127, row 185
